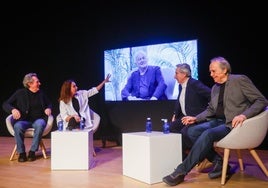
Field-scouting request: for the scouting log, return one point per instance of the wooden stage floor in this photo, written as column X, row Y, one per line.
column 107, row 171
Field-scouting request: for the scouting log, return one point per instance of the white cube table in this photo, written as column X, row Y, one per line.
column 148, row 157
column 72, row 150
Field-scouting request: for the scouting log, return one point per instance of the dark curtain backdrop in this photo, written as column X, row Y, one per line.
column 66, row 40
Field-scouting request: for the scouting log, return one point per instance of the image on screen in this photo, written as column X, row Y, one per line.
column 126, row 67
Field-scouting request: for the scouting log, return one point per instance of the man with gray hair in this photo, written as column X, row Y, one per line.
column 234, row 98
column 29, row 107
column 145, row 83
column 192, row 99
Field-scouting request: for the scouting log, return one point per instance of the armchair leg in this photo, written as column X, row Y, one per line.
column 43, row 148
column 13, row 152
column 225, row 164
column 259, row 161
column 240, row 160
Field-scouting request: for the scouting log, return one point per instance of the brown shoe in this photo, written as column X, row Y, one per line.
column 205, row 164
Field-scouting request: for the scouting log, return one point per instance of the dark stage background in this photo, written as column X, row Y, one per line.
column 62, row 40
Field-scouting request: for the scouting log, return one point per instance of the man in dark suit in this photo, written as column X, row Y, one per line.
column 234, row 98
column 193, row 98
column 146, row 83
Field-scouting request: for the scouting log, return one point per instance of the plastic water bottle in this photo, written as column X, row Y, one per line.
column 82, row 123
column 165, row 126
column 60, row 125
column 148, row 126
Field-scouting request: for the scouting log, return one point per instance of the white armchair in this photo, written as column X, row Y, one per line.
column 29, row 133
column 247, row 136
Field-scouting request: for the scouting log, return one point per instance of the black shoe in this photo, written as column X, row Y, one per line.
column 69, row 128
column 22, row 157
column 174, row 179
column 217, row 170
column 31, row 156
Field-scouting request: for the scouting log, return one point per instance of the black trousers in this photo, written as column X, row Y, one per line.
column 72, row 124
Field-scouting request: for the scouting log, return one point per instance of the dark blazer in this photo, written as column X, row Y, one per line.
column 155, row 82
column 240, row 97
column 20, row 101
column 197, row 96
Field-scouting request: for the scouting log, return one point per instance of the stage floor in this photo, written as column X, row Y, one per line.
column 107, row 171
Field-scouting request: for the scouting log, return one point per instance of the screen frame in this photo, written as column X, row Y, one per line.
column 120, row 64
